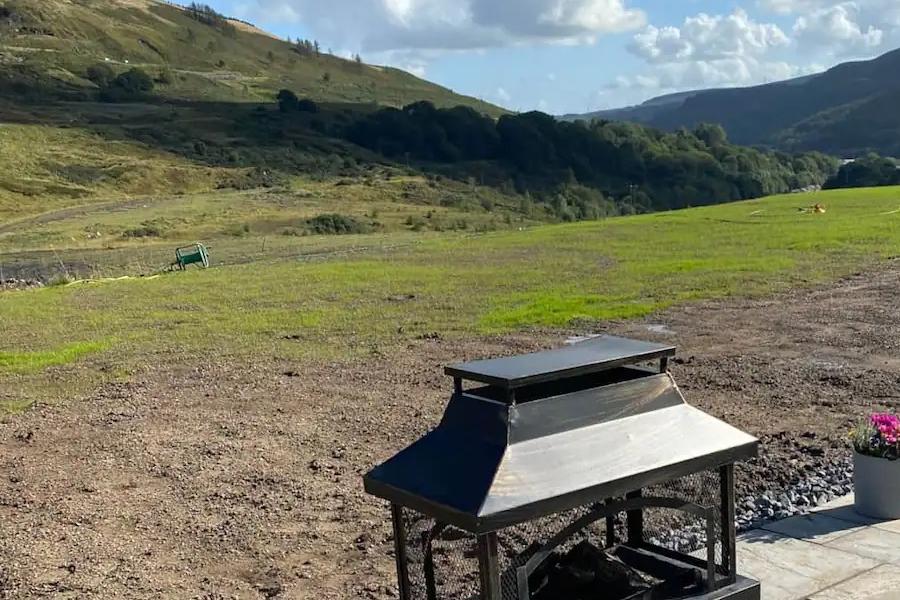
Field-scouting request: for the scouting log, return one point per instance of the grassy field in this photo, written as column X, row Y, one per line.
column 65, row 339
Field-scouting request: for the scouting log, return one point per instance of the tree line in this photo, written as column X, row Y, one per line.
column 869, row 171
column 645, row 168
column 207, row 15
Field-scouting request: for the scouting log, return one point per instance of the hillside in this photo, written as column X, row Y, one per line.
column 54, row 42
column 102, row 102
column 848, row 110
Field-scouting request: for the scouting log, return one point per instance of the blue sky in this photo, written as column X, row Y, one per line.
column 580, row 55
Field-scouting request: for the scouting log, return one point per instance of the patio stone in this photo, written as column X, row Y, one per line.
column 870, row 542
column 815, row 527
column 790, row 569
column 882, row 583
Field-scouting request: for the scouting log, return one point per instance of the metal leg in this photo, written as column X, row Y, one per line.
column 400, row 552
column 664, row 364
column 711, row 551
column 635, row 521
column 729, row 537
column 430, row 583
column 489, row 562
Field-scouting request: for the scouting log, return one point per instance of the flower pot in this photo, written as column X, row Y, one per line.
column 877, row 486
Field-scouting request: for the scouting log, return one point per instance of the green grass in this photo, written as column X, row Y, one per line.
column 29, row 362
column 458, row 285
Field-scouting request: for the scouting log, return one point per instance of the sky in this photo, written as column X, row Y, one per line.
column 575, row 56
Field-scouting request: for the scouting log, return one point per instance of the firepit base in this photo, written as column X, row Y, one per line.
column 742, row 589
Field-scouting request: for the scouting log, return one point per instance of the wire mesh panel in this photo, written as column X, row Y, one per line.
column 680, row 531
column 518, row 544
column 442, row 562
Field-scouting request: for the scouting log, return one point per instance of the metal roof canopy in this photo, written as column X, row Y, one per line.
column 592, row 356
column 570, row 440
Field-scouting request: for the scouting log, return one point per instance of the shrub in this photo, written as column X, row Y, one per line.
column 287, row 101
column 146, row 230
column 130, row 85
column 307, row 105
column 101, row 75
column 336, row 224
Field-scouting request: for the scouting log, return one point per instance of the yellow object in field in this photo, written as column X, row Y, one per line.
column 817, row 209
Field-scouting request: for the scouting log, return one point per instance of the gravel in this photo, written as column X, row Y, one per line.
column 831, row 481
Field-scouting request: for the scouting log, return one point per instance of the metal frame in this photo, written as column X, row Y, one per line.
column 400, row 552
column 729, row 534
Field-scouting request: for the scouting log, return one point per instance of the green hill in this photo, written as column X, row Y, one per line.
column 848, row 110
column 54, row 42
column 104, row 101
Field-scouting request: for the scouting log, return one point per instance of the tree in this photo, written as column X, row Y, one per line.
column 100, row 74
column 712, row 134
column 130, row 85
column 135, row 81
column 287, row 101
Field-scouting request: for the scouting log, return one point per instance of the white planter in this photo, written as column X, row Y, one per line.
column 877, row 486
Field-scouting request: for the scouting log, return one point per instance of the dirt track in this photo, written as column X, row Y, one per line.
column 234, row 480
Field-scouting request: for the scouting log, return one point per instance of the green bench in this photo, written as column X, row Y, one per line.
column 191, row 255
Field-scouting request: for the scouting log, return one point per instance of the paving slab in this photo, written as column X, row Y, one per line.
column 881, row 583
column 814, row 527
column 870, row 542
column 790, row 569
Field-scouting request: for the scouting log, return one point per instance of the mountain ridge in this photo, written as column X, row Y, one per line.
column 800, row 114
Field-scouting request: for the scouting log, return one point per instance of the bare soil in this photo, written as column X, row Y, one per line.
column 235, row 480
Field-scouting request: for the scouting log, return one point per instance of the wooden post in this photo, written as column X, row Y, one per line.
column 400, row 552
column 729, row 540
column 489, row 567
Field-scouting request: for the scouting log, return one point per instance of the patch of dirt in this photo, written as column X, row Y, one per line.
column 226, row 480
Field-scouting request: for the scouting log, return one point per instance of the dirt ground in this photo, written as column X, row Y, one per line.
column 244, row 480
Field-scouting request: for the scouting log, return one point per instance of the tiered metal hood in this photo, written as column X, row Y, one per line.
column 553, row 430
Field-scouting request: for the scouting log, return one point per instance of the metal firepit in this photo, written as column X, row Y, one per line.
column 581, row 445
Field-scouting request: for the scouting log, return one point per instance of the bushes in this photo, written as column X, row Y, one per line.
column 101, row 75
column 130, row 85
column 288, row 102
column 146, row 230
column 336, row 224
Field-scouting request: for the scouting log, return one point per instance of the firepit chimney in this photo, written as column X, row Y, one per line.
column 518, row 492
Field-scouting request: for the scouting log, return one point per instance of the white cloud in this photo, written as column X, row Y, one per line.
column 706, row 37
column 842, row 27
column 384, row 25
column 725, row 72
column 838, row 30
column 709, row 51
